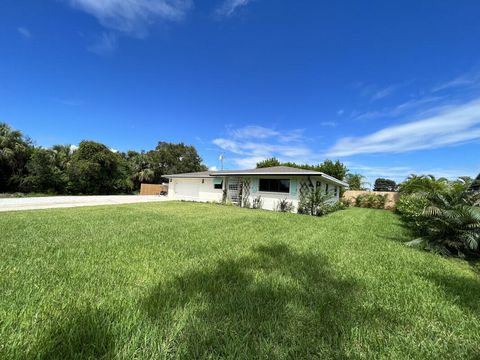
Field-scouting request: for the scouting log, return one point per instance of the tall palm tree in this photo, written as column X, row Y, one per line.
column 14, row 153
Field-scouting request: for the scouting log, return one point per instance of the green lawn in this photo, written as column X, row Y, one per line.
column 186, row 280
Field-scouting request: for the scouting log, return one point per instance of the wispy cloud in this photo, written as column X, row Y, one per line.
column 24, row 32
column 133, row 16
column 106, row 44
column 383, row 93
column 229, row 7
column 375, row 92
column 449, row 126
column 463, row 81
column 412, row 105
column 251, row 144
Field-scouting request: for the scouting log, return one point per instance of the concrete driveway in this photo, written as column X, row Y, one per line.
column 13, row 204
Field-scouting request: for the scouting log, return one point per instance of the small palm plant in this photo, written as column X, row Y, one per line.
column 451, row 221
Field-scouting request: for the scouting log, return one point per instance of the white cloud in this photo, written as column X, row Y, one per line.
column 229, row 7
column 254, row 131
column 73, row 148
column 24, row 32
column 133, row 16
column 213, row 168
column 340, row 112
column 105, row 45
column 252, row 144
column 450, row 126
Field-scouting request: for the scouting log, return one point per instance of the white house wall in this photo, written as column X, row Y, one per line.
column 271, row 199
column 206, row 191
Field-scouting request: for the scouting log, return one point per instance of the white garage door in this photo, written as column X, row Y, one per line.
column 187, row 190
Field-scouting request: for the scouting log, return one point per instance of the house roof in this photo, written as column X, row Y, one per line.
column 268, row 171
column 200, row 174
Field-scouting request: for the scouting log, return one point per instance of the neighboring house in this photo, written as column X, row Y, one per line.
column 241, row 187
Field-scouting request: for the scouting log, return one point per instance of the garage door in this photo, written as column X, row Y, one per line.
column 187, row 190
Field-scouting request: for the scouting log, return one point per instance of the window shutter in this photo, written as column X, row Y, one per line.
column 254, row 185
column 293, row 187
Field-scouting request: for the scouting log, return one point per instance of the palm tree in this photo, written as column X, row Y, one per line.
column 453, row 221
column 14, row 153
column 356, row 181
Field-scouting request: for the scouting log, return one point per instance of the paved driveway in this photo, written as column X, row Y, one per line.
column 12, row 204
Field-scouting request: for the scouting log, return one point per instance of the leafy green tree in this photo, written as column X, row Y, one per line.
column 382, row 184
column 15, row 151
column 336, row 169
column 169, row 158
column 95, row 169
column 355, row 181
column 43, row 173
column 268, row 163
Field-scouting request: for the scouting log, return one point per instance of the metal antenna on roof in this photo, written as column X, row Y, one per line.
column 221, row 159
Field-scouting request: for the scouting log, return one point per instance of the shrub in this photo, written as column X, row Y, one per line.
column 311, row 203
column 285, row 206
column 411, row 207
column 447, row 220
column 257, row 202
column 325, row 209
column 374, row 201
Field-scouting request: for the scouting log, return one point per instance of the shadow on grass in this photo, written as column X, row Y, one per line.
column 273, row 304
column 461, row 291
column 82, row 335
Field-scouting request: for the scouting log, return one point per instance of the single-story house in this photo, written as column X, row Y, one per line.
column 243, row 187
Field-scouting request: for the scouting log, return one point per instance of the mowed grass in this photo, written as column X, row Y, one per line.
column 190, row 281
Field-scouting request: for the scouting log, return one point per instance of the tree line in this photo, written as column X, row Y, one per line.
column 92, row 168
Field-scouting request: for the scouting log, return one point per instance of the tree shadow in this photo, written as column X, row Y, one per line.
column 461, row 291
column 275, row 303
column 83, row 334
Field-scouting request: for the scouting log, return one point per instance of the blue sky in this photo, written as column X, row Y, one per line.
column 388, row 87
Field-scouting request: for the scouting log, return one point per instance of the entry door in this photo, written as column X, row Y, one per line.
column 233, row 189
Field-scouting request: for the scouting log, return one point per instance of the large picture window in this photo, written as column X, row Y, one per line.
column 275, row 185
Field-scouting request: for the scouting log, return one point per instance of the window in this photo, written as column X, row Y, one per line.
column 275, row 185
column 218, row 183
column 336, row 191
column 326, row 189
